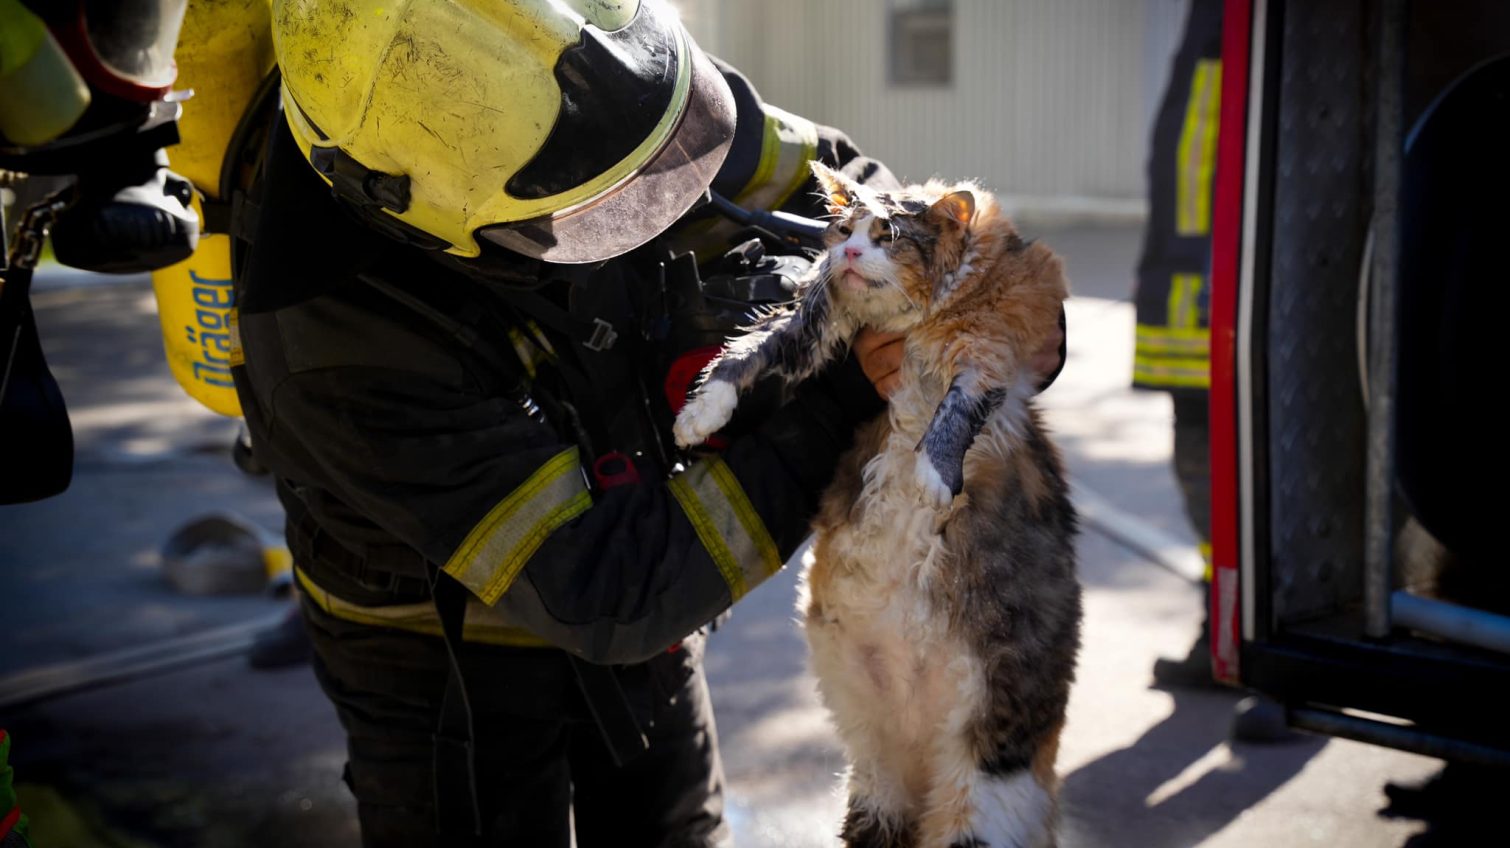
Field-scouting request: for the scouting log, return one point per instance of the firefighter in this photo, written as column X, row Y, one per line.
column 465, row 318
column 1172, row 337
column 1172, row 350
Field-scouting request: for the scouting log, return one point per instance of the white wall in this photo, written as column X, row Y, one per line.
column 1051, row 99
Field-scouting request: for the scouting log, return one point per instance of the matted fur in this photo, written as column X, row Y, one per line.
column 941, row 604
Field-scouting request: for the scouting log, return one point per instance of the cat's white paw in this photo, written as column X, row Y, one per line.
column 935, row 491
column 706, row 413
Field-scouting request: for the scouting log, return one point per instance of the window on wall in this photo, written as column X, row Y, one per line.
column 921, row 33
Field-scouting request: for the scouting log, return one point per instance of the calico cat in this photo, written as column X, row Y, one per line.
column 941, row 604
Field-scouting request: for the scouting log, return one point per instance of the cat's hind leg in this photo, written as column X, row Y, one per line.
column 871, row 822
column 881, row 810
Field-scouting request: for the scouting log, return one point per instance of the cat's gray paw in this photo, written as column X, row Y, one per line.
column 937, row 490
column 706, row 413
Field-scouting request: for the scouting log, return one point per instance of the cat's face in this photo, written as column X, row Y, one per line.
column 887, row 251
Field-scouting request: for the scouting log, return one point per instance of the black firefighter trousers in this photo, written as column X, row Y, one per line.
column 542, row 765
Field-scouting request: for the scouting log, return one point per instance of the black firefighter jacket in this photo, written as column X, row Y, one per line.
column 391, row 397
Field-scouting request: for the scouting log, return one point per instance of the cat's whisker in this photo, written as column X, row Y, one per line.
column 899, row 288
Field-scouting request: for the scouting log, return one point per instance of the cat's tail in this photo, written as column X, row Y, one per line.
column 1014, row 810
column 1003, row 804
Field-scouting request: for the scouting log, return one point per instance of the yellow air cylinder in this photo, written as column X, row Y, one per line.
column 195, row 306
column 224, row 52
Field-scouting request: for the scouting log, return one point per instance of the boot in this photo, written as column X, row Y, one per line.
column 1193, row 671
column 1257, row 719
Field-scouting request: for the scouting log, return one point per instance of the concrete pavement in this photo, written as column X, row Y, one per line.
column 217, row 755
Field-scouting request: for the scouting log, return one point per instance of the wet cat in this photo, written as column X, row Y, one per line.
column 940, row 604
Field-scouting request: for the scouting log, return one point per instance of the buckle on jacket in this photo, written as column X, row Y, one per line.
column 603, row 336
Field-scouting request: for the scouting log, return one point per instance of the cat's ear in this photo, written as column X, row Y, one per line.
column 838, row 190
column 956, row 208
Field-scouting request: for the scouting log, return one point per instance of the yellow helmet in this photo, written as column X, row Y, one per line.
column 566, row 130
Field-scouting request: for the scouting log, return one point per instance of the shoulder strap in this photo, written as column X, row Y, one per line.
column 241, row 171
column 600, row 381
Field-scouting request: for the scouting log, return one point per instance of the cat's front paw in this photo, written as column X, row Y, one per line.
column 938, row 487
column 706, row 413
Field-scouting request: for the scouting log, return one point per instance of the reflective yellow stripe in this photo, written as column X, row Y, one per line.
column 1172, row 364
column 798, row 148
column 237, row 356
column 1184, row 301
column 1197, row 150
column 1172, row 357
column 727, row 525
column 766, row 560
column 1176, row 333
column 790, row 142
column 496, row 550
column 421, row 617
column 707, row 533
column 770, row 151
column 1196, row 283
column 1155, row 349
column 1174, row 309
column 532, row 349
column 1206, row 555
column 529, row 355
column 1171, row 372
column 1169, row 341
column 1164, row 381
column 1206, row 176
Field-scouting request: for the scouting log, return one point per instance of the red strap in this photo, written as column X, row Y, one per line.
column 614, row 468
column 683, row 373
column 679, row 379
column 9, row 821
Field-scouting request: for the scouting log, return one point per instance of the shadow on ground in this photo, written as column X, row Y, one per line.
column 1460, row 805
column 1180, row 782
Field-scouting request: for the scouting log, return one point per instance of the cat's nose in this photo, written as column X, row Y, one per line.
column 852, row 252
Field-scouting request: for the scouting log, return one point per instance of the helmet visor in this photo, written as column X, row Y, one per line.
column 652, row 200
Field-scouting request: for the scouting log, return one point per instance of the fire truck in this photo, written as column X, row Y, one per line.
column 1362, row 207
